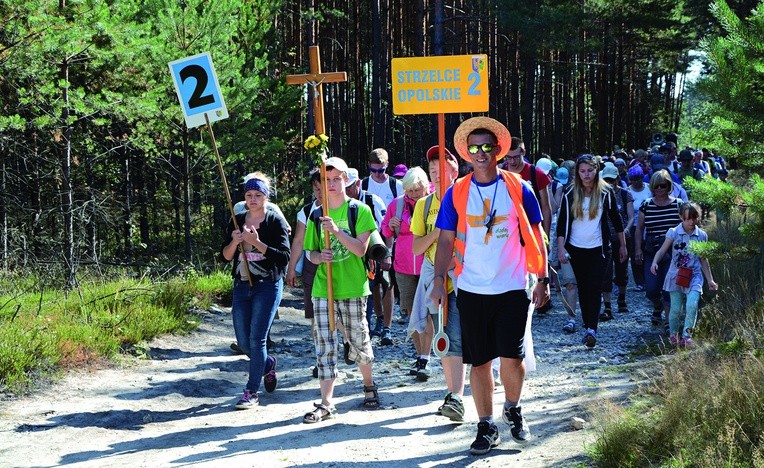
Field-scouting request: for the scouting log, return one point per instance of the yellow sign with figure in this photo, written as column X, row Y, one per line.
column 440, row 85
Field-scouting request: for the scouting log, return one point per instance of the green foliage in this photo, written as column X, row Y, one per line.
column 735, row 97
column 703, row 410
column 44, row 330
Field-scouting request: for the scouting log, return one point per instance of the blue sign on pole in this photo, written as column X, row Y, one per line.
column 196, row 84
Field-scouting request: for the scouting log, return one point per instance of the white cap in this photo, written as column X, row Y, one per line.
column 352, row 176
column 337, row 163
column 545, row 164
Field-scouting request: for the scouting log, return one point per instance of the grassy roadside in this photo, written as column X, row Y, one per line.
column 705, row 406
column 44, row 330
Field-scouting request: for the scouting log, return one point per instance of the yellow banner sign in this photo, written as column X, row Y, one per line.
column 440, row 85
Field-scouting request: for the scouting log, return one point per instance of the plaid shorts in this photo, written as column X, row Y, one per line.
column 352, row 314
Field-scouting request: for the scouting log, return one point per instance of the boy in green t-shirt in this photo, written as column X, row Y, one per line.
column 350, row 288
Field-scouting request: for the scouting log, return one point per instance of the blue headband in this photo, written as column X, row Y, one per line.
column 257, row 184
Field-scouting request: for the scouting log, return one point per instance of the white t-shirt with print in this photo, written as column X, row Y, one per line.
column 383, row 190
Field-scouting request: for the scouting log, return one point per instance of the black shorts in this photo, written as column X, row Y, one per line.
column 492, row 325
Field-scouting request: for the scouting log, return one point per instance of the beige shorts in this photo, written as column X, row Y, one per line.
column 407, row 287
column 565, row 275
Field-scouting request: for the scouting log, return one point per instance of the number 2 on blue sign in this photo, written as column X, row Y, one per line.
column 475, row 78
column 200, row 74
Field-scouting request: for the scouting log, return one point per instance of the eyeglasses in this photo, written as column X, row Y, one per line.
column 519, row 156
column 661, row 186
column 378, row 171
column 486, row 147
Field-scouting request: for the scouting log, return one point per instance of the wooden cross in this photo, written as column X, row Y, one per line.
column 315, row 78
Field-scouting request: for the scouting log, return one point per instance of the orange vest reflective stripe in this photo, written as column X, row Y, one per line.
column 534, row 258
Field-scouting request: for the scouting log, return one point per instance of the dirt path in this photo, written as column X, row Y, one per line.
column 175, row 408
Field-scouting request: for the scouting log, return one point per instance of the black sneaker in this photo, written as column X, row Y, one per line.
column 269, row 378
column 387, row 339
column 518, row 427
column 247, row 401
column 487, row 438
column 606, row 315
column 622, row 307
column 423, row 373
column 416, row 367
column 452, row 408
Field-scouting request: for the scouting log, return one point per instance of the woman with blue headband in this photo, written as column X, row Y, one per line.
column 258, row 280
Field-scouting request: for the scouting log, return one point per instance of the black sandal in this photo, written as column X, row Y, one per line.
column 371, row 402
column 320, row 413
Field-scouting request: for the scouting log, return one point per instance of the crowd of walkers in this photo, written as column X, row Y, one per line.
column 473, row 262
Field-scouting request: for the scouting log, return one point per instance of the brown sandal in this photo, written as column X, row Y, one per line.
column 371, row 402
column 320, row 413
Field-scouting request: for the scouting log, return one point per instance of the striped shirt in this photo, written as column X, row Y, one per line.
column 659, row 219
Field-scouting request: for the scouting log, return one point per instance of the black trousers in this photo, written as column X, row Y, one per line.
column 589, row 268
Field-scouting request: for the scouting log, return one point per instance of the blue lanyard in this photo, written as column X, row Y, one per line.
column 491, row 210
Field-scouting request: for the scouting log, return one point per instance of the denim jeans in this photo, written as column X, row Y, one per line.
column 253, row 311
column 690, row 310
column 654, row 283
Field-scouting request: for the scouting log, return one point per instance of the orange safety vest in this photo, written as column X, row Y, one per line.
column 534, row 258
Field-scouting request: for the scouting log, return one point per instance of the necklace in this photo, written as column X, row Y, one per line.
column 491, row 210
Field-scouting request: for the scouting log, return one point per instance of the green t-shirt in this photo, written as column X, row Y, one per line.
column 348, row 271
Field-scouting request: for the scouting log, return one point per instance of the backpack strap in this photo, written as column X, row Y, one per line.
column 426, row 212
column 352, row 217
column 365, row 183
column 400, row 203
column 393, row 185
column 534, row 182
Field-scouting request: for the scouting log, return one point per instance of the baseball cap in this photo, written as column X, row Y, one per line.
column 545, row 164
column 562, row 175
column 338, row 164
column 685, row 155
column 609, row 171
column 400, row 170
column 352, row 176
column 657, row 162
column 636, row 172
column 433, row 153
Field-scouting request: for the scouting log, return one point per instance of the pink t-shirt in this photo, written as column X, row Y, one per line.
column 405, row 260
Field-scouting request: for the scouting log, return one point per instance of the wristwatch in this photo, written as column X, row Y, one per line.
column 544, row 280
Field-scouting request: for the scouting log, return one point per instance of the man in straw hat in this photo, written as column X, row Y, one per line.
column 482, row 219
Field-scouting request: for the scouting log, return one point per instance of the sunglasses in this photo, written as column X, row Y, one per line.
column 378, row 171
column 485, row 147
column 661, row 186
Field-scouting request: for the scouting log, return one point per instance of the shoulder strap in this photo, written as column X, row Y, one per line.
column 306, row 210
column 534, row 259
column 369, row 200
column 365, row 183
column 427, row 205
column 533, row 180
column 393, row 185
column 400, row 203
column 352, row 215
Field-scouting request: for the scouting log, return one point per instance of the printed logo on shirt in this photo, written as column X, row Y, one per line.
column 485, row 220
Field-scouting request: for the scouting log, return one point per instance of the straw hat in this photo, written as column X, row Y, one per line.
column 475, row 123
